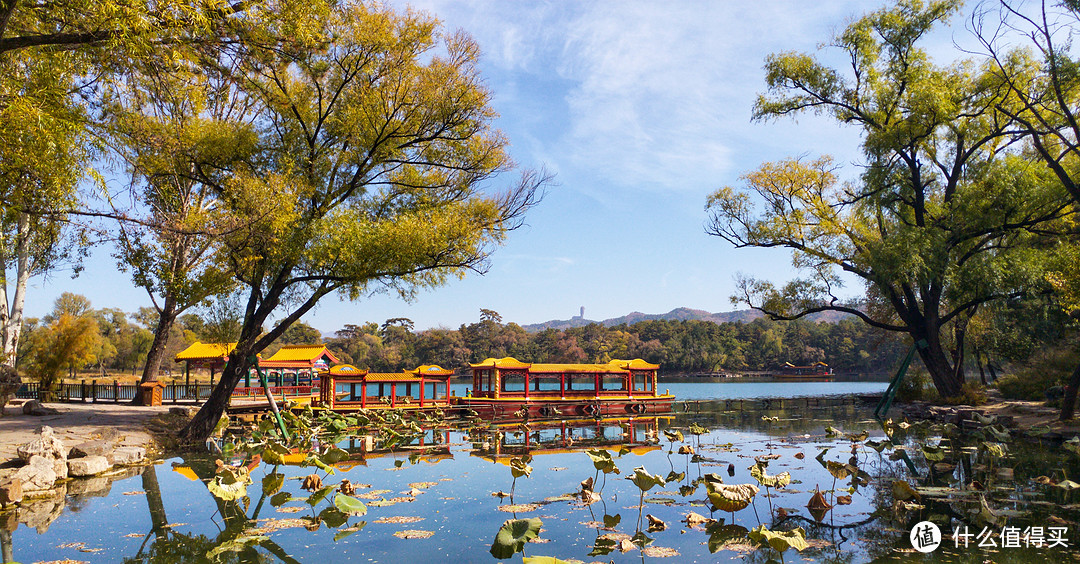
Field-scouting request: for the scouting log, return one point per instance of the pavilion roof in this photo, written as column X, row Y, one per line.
column 298, row 356
column 636, row 364
column 205, row 351
column 431, row 370
column 577, row 368
column 507, row 362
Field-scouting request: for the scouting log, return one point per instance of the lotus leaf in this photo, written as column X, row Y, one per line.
column 780, row 480
column 334, row 455
column 519, row 467
column 230, row 484
column 996, row 450
column 333, row 517
column 696, row 429
column 879, row 445
column 858, row 437
column 655, row 523
column 274, row 453
column 235, row 545
column 644, row 480
column 723, row 535
column 280, row 498
column 933, row 453
column 612, row 521
column 839, row 470
column 987, row 516
column 673, row 436
column 817, row 502
column 349, row 505
column 602, row 460
column 513, row 535
column 319, row 495
column 731, row 498
column 349, row 530
column 1067, row 485
column 780, row 540
column 1072, row 445
column 903, row 491
column 271, row 483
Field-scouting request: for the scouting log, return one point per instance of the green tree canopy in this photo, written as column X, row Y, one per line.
column 946, row 216
column 378, row 147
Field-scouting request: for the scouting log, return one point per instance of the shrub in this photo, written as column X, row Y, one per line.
column 916, row 386
column 1044, row 370
column 970, row 394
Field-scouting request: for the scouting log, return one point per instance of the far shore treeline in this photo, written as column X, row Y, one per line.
column 75, row 338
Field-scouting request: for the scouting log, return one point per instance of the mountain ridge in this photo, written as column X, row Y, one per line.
column 677, row 314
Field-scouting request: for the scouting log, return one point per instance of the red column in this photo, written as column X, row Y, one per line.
column 526, row 386
column 421, row 391
column 363, row 394
column 562, row 384
column 393, row 394
column 596, row 379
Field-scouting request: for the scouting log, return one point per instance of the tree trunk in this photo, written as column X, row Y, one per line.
column 156, row 354
column 202, row 425
column 948, row 379
column 11, row 315
column 159, row 522
column 1068, row 402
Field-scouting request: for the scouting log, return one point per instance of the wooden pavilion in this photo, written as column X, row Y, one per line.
column 204, row 355
column 300, row 363
column 346, row 387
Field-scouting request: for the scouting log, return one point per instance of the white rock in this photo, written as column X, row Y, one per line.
column 87, row 466
column 127, row 455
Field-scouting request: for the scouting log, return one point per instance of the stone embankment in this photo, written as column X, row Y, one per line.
column 48, row 452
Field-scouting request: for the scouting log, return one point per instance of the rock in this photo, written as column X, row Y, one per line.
column 87, row 466
column 91, row 448
column 97, row 486
column 127, row 455
column 40, row 513
column 48, row 447
column 38, row 475
column 109, row 434
column 34, row 407
column 11, row 492
column 182, row 410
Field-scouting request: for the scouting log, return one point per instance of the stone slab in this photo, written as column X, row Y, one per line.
column 88, row 466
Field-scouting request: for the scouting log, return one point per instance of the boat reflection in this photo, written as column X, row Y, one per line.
column 503, row 441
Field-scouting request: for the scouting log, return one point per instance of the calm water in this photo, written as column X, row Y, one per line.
column 166, row 514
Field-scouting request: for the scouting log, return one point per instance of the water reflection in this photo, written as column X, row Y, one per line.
column 443, row 479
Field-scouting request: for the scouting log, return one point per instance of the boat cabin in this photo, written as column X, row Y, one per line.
column 346, row 387
column 511, row 378
column 297, row 365
column 815, row 369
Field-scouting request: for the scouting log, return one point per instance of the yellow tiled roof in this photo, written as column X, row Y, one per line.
column 391, row 377
column 507, row 362
column 205, row 351
column 636, row 364
column 301, row 353
column 347, row 370
column 576, row 368
column 431, row 370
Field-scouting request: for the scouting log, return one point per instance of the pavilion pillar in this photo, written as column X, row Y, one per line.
column 562, row 384
column 187, row 372
column 393, row 394
column 421, row 391
column 526, row 388
column 363, row 394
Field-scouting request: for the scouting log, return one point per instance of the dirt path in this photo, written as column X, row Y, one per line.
column 78, row 422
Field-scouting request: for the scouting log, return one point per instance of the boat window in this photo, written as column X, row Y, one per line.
column 642, row 382
column 581, row 382
column 513, row 382
column 613, row 382
column 485, row 377
column 544, row 382
column 434, row 390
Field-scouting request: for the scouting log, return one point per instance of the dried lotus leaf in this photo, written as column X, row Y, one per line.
column 731, row 497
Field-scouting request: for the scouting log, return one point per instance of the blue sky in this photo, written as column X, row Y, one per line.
column 641, row 109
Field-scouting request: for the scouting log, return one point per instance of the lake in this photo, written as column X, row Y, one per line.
column 434, row 502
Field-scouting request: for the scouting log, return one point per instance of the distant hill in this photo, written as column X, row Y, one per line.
column 677, row 314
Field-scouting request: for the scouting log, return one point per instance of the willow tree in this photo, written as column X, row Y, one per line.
column 1042, row 75
column 173, row 128
column 946, row 215
column 378, row 154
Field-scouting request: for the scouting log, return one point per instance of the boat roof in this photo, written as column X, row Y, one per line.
column 614, row 366
column 299, row 356
column 205, row 351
